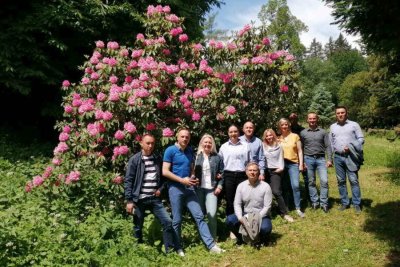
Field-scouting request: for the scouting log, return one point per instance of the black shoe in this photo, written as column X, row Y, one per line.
column 343, row 207
column 325, row 209
column 357, row 209
column 315, row 206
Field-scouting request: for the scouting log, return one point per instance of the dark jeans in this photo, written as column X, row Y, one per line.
column 233, row 224
column 231, row 182
column 156, row 207
column 275, row 181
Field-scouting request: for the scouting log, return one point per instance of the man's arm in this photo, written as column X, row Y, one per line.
column 267, row 201
column 166, row 171
column 237, row 204
column 128, row 184
column 261, row 162
column 328, row 149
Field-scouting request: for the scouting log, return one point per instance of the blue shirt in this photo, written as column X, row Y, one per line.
column 343, row 135
column 181, row 161
column 235, row 156
column 257, row 152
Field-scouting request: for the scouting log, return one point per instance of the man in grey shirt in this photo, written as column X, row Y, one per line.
column 251, row 196
column 347, row 142
column 315, row 143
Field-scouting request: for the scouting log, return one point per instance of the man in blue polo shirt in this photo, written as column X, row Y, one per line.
column 178, row 168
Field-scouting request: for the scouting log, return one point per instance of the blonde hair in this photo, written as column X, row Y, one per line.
column 282, row 120
column 213, row 146
column 274, row 141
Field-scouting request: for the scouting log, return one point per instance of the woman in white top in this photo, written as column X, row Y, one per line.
column 208, row 169
column 275, row 165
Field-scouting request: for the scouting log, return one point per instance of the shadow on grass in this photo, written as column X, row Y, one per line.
column 383, row 221
column 393, row 163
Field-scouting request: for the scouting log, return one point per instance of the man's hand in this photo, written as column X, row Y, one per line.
column 219, row 176
column 329, row 164
column 261, row 177
column 217, row 191
column 242, row 221
column 130, row 207
column 346, row 149
column 189, row 182
column 157, row 193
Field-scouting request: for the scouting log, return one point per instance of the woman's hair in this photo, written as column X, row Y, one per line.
column 273, row 134
column 282, row 120
column 213, row 146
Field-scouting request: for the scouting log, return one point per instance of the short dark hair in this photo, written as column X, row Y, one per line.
column 338, row 107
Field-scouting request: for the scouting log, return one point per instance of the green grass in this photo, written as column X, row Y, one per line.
column 334, row 239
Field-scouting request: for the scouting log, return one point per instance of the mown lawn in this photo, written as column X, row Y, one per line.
column 334, row 239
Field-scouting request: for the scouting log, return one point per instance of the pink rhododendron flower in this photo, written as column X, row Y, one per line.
column 113, row 79
column 130, row 127
column 231, row 46
column 37, row 180
column 219, row 45
column 166, row 52
column 94, row 60
column 107, row 115
column 94, row 76
column 212, row 43
column 92, row 129
column 274, row 56
column 183, row 38
column 266, row 41
column 63, row 137
column 143, row 77
column 142, row 93
column 28, row 187
column 173, row 18
column 85, row 80
column 196, row 116
column 73, row 176
column 61, row 148
column 56, row 161
column 244, row 61
column 137, row 53
column 166, row 9
column 118, row 180
column 101, row 97
column 160, row 105
column 289, row 58
column 99, row 66
column 66, row 129
column 259, row 60
column 167, row 132
column 124, row 52
column 112, row 62
column 180, row 82
column 151, row 127
column 99, row 44
column 245, row 29
column 119, row 135
column 176, row 31
column 47, row 172
column 197, row 47
column 284, row 88
column 230, row 110
column 89, row 70
column 140, row 36
column 114, row 97
column 98, row 114
column 113, row 45
column 68, row 109
column 66, row 83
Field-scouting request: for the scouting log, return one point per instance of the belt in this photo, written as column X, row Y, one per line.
column 317, row 156
column 343, row 154
column 238, row 172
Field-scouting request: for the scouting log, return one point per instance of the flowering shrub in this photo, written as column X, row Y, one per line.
column 160, row 83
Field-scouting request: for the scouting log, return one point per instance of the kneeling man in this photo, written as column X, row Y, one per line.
column 252, row 207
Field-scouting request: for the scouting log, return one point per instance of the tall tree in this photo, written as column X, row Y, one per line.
column 329, row 47
column 322, row 105
column 315, row 50
column 283, row 27
column 376, row 21
column 341, row 44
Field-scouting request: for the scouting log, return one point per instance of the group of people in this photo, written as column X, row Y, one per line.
column 250, row 171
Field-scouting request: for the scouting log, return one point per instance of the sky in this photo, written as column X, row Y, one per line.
column 314, row 13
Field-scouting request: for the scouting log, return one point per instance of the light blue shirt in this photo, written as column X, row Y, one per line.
column 342, row 135
column 257, row 152
column 235, row 156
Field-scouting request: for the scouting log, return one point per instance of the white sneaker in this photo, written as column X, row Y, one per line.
column 288, row 218
column 232, row 236
column 216, row 250
column 300, row 213
column 181, row 253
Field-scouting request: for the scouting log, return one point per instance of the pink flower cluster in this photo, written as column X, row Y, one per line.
column 172, row 18
column 196, row 116
column 73, row 176
column 120, row 150
column 180, row 82
column 176, row 31
column 226, row 77
column 167, row 132
column 63, row 137
column 151, row 127
column 66, row 83
column 118, row 180
column 60, row 148
column 95, row 128
column 204, row 67
column 284, row 88
column 230, row 110
column 129, row 127
column 119, row 135
column 201, row 93
column 112, row 45
column 245, row 29
column 152, row 10
column 141, row 93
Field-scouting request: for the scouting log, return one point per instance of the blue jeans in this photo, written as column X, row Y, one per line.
column 292, row 170
column 233, row 224
column 317, row 164
column 341, row 171
column 180, row 196
column 154, row 204
column 208, row 202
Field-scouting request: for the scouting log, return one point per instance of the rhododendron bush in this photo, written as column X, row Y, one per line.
column 161, row 82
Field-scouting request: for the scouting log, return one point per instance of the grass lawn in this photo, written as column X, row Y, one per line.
column 371, row 238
